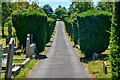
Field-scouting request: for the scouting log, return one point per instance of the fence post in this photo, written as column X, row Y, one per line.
column 8, row 72
column 105, row 67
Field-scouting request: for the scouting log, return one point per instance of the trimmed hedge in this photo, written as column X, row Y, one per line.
column 93, row 27
column 69, row 28
column 29, row 21
column 50, row 28
column 54, row 16
column 75, row 31
column 115, row 43
column 64, row 15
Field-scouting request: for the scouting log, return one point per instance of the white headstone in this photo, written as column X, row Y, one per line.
column 32, row 50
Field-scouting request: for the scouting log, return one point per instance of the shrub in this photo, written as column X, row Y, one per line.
column 75, row 31
column 50, row 28
column 30, row 21
column 54, row 16
column 115, row 43
column 93, row 27
column 68, row 25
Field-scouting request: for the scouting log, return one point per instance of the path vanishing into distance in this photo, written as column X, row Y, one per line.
column 62, row 61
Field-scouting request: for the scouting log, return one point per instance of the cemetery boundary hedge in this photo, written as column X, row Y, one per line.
column 30, row 22
column 93, row 27
column 50, row 28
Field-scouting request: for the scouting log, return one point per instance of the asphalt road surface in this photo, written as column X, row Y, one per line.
column 62, row 61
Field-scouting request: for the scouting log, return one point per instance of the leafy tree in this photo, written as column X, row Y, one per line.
column 80, row 7
column 6, row 12
column 59, row 11
column 106, row 6
column 115, row 42
column 47, row 9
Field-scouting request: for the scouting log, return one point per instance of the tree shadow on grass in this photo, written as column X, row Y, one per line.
column 102, row 57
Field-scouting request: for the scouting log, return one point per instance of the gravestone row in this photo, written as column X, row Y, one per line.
column 7, row 61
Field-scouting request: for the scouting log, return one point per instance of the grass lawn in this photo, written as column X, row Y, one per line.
column 96, row 67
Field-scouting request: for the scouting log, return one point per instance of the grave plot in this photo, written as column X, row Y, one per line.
column 12, row 64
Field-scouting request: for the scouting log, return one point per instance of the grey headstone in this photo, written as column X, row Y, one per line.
column 8, row 72
column 95, row 56
column 32, row 50
column 27, row 47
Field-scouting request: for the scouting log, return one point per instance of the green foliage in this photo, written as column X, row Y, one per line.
column 47, row 9
column 115, row 43
column 50, row 28
column 29, row 21
column 59, row 11
column 54, row 16
column 93, row 30
column 68, row 24
column 75, row 31
column 64, row 15
column 105, row 6
column 80, row 7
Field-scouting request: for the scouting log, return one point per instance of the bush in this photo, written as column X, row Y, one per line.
column 30, row 22
column 75, row 31
column 54, row 16
column 50, row 28
column 93, row 27
column 115, row 43
column 68, row 24
column 64, row 15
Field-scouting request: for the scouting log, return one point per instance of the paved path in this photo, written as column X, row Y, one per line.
column 62, row 61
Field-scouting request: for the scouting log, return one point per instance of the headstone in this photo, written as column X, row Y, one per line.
column 27, row 48
column 0, row 58
column 32, row 50
column 105, row 67
column 8, row 72
column 95, row 56
column 28, row 36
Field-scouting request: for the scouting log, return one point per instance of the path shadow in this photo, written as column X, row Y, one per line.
column 40, row 56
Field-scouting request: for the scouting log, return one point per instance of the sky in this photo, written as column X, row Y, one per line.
column 55, row 3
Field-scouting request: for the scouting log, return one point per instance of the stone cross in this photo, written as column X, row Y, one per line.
column 28, row 46
column 8, row 72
